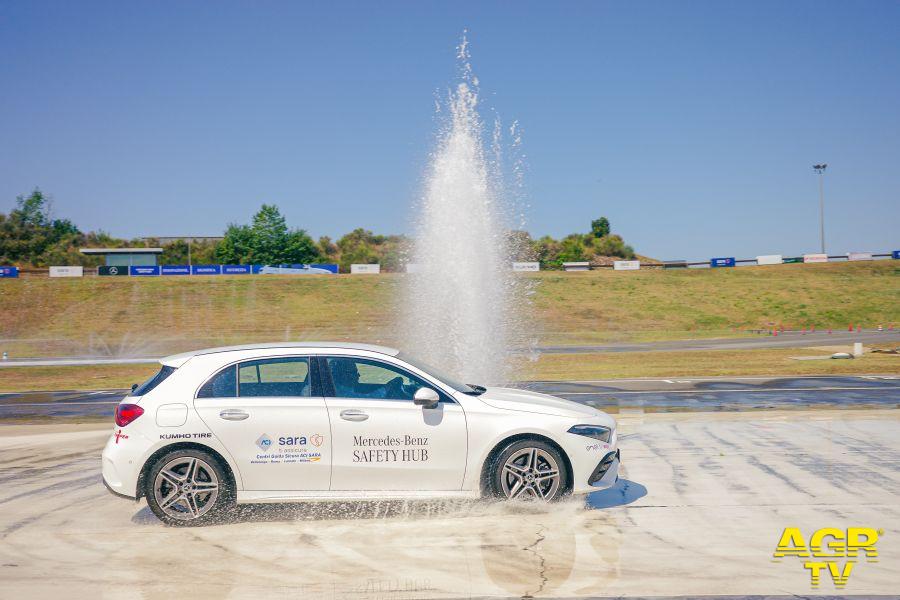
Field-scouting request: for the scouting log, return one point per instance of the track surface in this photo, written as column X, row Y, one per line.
column 701, row 503
column 785, row 340
column 694, row 394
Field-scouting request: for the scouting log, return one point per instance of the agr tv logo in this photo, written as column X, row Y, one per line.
column 836, row 550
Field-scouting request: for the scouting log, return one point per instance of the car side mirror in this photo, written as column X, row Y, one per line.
column 426, row 398
column 133, row 386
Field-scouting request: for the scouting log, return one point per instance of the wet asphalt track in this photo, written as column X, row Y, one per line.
column 651, row 395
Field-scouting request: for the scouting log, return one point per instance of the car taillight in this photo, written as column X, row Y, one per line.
column 126, row 413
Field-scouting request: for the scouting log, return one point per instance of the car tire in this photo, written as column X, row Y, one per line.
column 188, row 487
column 528, row 469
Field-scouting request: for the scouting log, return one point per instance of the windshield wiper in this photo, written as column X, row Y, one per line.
column 477, row 390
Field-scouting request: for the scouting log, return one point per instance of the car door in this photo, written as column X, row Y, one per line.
column 382, row 439
column 271, row 416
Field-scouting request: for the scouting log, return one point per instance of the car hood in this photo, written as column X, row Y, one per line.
column 525, row 401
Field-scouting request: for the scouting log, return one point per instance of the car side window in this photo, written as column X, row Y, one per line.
column 364, row 378
column 287, row 376
column 221, row 385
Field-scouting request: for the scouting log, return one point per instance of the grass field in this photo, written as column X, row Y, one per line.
column 548, row 367
column 150, row 316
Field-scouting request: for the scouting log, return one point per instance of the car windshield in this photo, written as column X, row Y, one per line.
column 472, row 390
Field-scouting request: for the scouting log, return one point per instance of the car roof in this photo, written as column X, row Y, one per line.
column 176, row 360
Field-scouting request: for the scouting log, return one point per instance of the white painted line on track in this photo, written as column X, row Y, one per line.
column 723, row 378
column 753, row 390
column 14, row 405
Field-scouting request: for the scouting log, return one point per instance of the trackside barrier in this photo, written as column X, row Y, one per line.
column 67, row 271
column 627, row 265
column 10, row 271
column 175, row 270
column 365, row 269
column 237, row 269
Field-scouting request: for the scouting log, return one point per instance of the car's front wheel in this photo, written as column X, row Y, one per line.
column 529, row 469
column 189, row 487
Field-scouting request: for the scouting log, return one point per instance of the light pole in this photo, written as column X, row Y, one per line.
column 820, row 169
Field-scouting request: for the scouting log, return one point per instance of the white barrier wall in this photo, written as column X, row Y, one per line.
column 815, row 258
column 66, row 271
column 365, row 269
column 859, row 256
column 769, row 259
column 577, row 266
column 526, row 266
column 626, row 265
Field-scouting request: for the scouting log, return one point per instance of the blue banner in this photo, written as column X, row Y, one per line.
column 9, row 271
column 896, row 253
column 236, row 269
column 295, row 269
column 722, row 262
column 143, row 271
column 175, row 270
column 206, row 270
column 329, row 267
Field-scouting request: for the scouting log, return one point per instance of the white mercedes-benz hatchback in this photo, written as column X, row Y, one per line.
column 326, row 421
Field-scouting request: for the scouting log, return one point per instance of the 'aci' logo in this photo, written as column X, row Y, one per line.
column 264, row 442
column 826, row 547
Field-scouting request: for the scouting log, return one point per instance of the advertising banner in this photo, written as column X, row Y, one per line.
column 327, row 269
column 175, row 270
column 331, row 268
column 626, row 265
column 237, row 269
column 722, row 262
column 365, row 269
column 9, row 272
column 206, row 270
column 143, row 271
column 793, row 259
column 895, row 254
column 519, row 266
column 66, row 271
column 577, row 266
column 859, row 256
column 112, row 271
column 769, row 259
column 815, row 258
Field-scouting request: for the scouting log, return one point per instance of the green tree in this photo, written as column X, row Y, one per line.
column 600, row 227
column 266, row 241
column 29, row 236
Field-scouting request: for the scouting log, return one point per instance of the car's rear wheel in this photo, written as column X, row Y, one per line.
column 529, row 469
column 189, row 487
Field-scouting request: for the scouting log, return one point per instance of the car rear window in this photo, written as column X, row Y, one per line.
column 154, row 381
column 221, row 385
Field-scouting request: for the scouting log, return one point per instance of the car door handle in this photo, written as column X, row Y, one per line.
column 353, row 415
column 234, row 415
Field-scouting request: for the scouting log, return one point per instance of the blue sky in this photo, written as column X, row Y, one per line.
column 691, row 125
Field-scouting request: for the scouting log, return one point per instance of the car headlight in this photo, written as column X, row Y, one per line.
column 598, row 432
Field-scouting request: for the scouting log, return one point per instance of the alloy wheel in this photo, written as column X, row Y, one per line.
column 186, row 488
column 530, row 473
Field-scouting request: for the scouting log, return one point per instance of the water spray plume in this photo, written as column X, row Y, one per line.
column 460, row 299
